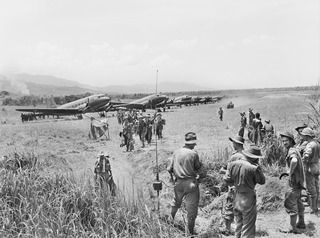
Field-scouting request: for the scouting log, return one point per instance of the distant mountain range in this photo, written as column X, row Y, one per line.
column 25, row 84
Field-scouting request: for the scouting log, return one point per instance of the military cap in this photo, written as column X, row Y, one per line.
column 190, row 138
column 288, row 135
column 237, row 139
column 307, row 132
column 103, row 154
column 253, row 152
column 304, row 125
column 267, row 121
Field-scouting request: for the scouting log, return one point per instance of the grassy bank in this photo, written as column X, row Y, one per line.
column 34, row 203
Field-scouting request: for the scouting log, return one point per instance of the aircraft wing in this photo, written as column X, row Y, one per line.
column 130, row 105
column 52, row 111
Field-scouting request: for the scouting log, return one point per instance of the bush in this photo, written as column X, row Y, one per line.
column 36, row 204
column 274, row 152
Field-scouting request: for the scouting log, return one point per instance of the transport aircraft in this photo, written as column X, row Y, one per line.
column 179, row 101
column 93, row 103
column 152, row 101
column 195, row 99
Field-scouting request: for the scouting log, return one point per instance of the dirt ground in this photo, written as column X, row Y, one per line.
column 65, row 146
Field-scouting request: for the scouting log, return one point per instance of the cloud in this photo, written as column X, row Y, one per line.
column 103, row 48
column 183, row 44
column 256, row 38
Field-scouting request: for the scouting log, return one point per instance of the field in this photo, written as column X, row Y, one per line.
column 63, row 147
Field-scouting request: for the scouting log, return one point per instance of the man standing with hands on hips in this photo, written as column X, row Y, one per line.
column 185, row 165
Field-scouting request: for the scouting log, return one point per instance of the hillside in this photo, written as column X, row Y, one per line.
column 50, row 85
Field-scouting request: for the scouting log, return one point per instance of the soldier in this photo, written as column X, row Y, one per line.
column 220, row 113
column 292, row 202
column 243, row 124
column 244, row 174
column 149, row 123
column 185, row 165
column 257, row 126
column 251, row 116
column 142, row 129
column 301, row 144
column 103, row 174
column 268, row 129
column 127, row 134
column 310, row 158
column 159, row 122
column 227, row 210
column 118, row 117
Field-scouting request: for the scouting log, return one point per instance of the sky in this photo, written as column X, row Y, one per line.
column 229, row 44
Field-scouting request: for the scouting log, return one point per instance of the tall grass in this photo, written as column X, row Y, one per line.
column 37, row 204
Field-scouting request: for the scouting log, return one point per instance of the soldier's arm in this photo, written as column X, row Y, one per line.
column 170, row 168
column 293, row 165
column 197, row 163
column 307, row 153
column 227, row 177
column 260, row 178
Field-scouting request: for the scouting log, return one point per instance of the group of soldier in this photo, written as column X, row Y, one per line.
column 257, row 131
column 134, row 122
column 241, row 175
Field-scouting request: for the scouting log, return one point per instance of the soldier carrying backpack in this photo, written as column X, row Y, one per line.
column 103, row 175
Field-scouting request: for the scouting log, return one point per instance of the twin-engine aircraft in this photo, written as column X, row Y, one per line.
column 153, row 101
column 99, row 103
column 192, row 100
column 93, row 103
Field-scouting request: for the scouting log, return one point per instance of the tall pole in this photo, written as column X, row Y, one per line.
column 157, row 82
column 157, row 164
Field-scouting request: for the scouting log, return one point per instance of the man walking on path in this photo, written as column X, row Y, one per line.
column 185, row 165
column 227, row 210
column 268, row 129
column 292, row 202
column 251, row 116
column 310, row 158
column 244, row 174
column 220, row 113
column 103, row 174
column 257, row 126
column 243, row 124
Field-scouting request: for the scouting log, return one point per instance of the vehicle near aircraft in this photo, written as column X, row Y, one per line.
column 153, row 101
column 230, row 105
column 93, row 103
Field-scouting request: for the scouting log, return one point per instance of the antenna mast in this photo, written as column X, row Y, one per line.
column 156, row 135
column 157, row 185
column 157, row 82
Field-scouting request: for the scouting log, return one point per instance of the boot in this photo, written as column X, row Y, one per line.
column 301, row 224
column 314, row 205
column 293, row 223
